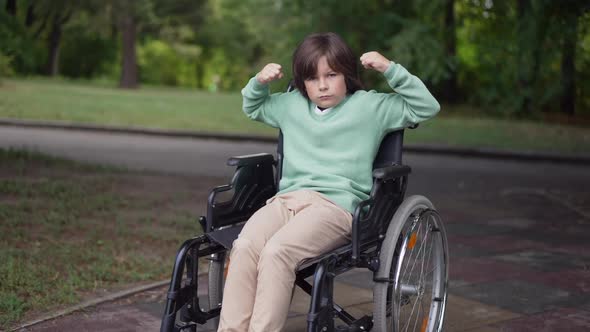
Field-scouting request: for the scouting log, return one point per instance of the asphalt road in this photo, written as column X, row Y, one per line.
column 207, row 158
column 518, row 231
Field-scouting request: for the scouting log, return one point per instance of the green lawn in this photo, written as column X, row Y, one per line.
column 70, row 230
column 178, row 108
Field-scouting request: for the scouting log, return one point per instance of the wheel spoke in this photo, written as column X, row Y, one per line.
column 418, row 297
column 420, row 251
column 419, row 264
column 414, row 260
column 426, row 262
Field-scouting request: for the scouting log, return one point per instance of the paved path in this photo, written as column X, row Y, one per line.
column 518, row 233
column 176, row 155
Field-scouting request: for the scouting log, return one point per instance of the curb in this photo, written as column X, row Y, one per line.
column 133, row 130
column 93, row 302
column 516, row 155
column 581, row 159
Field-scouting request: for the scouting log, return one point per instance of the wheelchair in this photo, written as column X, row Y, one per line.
column 401, row 240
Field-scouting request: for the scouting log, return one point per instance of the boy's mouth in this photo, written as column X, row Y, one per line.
column 325, row 97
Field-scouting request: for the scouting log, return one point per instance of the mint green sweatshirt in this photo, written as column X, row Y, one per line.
column 333, row 153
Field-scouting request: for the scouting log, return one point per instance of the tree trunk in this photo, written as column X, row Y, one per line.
column 53, row 47
column 523, row 8
column 11, row 7
column 568, row 69
column 31, row 17
column 450, row 84
column 129, row 56
column 532, row 29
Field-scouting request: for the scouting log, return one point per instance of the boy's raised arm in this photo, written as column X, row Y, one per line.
column 258, row 103
column 413, row 98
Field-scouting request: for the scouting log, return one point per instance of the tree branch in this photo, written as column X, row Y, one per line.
column 11, row 7
column 42, row 26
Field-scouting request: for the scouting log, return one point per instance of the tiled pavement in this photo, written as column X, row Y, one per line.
column 517, row 263
column 526, row 263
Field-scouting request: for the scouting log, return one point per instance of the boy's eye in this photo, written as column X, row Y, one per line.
column 332, row 74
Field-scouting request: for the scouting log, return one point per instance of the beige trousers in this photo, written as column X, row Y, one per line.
column 290, row 228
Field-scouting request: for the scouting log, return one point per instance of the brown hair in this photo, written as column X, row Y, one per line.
column 338, row 54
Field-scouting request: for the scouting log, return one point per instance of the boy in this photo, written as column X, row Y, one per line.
column 332, row 130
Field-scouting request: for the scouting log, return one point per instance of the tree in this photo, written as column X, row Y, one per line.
column 59, row 17
column 568, row 68
column 128, row 27
column 38, row 14
column 148, row 16
column 125, row 15
column 568, row 15
column 532, row 16
column 11, row 7
column 449, row 90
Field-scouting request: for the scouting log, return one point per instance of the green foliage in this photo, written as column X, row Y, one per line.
column 86, row 54
column 417, row 48
column 5, row 66
column 508, row 59
column 583, row 64
column 222, row 71
column 161, row 63
column 18, row 45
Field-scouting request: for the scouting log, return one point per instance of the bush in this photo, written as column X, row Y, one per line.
column 224, row 72
column 5, row 66
column 20, row 51
column 86, row 54
column 161, row 63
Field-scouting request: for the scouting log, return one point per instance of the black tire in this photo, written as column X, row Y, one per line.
column 216, row 282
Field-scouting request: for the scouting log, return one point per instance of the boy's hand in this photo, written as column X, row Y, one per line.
column 269, row 73
column 374, row 60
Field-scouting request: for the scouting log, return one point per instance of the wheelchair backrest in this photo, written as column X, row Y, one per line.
column 389, row 153
column 390, row 150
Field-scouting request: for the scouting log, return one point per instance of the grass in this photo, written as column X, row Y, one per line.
column 148, row 107
column 502, row 134
column 70, row 230
column 179, row 108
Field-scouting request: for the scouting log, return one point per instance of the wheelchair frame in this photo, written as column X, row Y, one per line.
column 375, row 244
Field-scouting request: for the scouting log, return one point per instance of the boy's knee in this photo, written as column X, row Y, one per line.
column 274, row 252
column 242, row 246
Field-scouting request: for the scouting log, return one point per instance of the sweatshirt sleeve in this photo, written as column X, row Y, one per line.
column 259, row 104
column 412, row 103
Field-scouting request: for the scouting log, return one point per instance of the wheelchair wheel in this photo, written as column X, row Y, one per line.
column 413, row 271
column 216, row 282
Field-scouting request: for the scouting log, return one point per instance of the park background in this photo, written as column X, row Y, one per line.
column 510, row 75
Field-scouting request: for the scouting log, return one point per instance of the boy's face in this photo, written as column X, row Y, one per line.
column 327, row 88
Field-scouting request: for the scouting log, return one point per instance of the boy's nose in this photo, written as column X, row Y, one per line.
column 323, row 85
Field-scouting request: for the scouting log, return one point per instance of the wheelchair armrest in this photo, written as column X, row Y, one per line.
column 391, row 172
column 360, row 210
column 250, row 159
column 250, row 187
